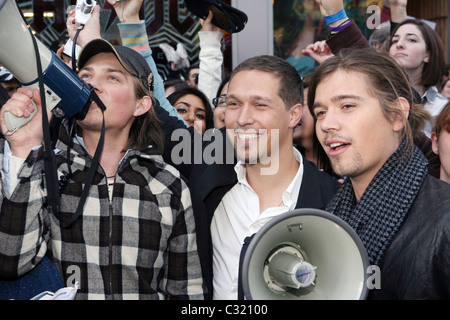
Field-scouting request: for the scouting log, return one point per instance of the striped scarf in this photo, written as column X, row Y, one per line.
column 384, row 206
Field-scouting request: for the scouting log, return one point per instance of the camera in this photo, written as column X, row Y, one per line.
column 83, row 11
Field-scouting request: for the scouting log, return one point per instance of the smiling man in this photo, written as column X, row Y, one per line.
column 267, row 176
column 401, row 213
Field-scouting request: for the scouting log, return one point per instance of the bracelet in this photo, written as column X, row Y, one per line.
column 341, row 26
column 335, row 17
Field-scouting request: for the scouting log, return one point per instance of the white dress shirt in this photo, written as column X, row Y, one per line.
column 236, row 217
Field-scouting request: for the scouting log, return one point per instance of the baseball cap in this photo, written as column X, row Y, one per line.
column 225, row 17
column 131, row 60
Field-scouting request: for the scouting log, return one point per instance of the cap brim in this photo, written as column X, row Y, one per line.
column 97, row 46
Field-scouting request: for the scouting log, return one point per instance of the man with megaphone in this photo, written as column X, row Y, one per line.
column 137, row 219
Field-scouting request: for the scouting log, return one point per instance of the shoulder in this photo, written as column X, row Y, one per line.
column 161, row 176
column 433, row 201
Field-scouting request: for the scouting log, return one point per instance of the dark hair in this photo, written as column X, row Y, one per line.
column 443, row 121
column 387, row 81
column 225, row 80
column 176, row 95
column 433, row 70
column 290, row 87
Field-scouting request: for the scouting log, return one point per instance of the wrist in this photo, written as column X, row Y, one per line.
column 336, row 18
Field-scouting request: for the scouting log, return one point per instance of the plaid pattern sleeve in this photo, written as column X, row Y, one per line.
column 183, row 271
column 24, row 225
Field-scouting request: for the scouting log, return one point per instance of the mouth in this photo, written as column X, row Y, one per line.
column 337, row 148
column 248, row 136
column 93, row 105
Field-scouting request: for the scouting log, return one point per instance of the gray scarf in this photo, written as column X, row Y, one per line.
column 383, row 207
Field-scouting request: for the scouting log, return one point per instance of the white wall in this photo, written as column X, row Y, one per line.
column 257, row 36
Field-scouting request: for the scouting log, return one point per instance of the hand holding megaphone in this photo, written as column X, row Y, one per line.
column 24, row 104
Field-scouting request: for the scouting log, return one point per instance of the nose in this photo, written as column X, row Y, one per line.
column 95, row 83
column 190, row 117
column 399, row 43
column 245, row 116
column 328, row 122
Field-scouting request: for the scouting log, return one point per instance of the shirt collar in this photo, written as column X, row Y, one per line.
column 291, row 194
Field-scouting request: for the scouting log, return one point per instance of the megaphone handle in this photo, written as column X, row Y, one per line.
column 13, row 123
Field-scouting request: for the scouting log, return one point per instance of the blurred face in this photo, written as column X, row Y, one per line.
column 115, row 87
column 351, row 127
column 441, row 147
column 304, row 131
column 256, row 118
column 11, row 86
column 409, row 48
column 193, row 111
column 193, row 74
column 219, row 110
column 446, row 89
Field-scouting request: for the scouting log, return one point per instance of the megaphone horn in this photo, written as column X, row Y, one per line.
column 305, row 254
column 66, row 94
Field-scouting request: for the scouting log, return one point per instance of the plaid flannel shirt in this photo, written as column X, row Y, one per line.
column 140, row 245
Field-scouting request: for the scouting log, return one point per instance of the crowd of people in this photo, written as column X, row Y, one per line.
column 367, row 142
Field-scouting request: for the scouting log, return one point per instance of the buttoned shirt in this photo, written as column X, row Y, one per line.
column 237, row 217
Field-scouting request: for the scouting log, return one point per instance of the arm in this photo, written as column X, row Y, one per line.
column 349, row 37
column 183, row 270
column 134, row 35
column 211, row 58
column 23, row 218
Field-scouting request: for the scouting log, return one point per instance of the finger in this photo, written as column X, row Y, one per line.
column 210, row 16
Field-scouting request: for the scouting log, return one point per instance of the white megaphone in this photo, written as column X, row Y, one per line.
column 305, row 254
column 66, row 94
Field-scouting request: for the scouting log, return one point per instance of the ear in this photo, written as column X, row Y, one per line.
column 398, row 122
column 427, row 57
column 295, row 114
column 434, row 143
column 142, row 106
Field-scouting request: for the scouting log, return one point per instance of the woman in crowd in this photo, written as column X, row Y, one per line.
column 194, row 107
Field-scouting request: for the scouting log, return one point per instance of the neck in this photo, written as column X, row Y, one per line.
column 270, row 181
column 415, row 77
column 112, row 152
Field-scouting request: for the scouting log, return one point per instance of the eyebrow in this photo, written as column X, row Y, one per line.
column 252, row 97
column 338, row 98
column 108, row 70
column 408, row 34
column 189, row 105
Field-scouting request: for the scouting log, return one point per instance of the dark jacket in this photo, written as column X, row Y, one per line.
column 417, row 263
column 208, row 184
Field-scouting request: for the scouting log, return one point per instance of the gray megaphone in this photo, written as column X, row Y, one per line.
column 305, row 254
column 66, row 94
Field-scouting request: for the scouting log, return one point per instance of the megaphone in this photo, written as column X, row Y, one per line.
column 66, row 94
column 305, row 254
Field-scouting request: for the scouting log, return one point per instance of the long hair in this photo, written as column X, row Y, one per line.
column 146, row 129
column 387, row 81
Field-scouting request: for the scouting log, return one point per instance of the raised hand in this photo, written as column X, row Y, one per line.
column 127, row 10
column 319, row 51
